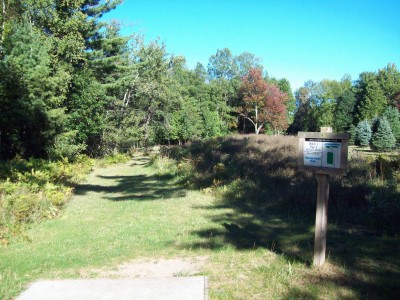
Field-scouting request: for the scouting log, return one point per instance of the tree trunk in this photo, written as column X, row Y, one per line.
column 258, row 128
column 256, row 109
column 147, row 124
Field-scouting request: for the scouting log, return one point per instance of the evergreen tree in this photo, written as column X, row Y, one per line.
column 301, row 119
column 363, row 133
column 353, row 132
column 45, row 47
column 383, row 139
column 185, row 124
column 115, row 76
column 392, row 114
column 29, row 120
column 86, row 113
column 374, row 124
column 344, row 112
column 371, row 100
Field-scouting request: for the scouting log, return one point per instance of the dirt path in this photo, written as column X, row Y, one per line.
column 151, row 267
column 145, row 266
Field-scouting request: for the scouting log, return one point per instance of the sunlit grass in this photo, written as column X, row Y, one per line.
column 98, row 229
column 257, row 247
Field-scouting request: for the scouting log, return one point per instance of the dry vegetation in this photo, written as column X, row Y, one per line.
column 240, row 202
column 274, row 208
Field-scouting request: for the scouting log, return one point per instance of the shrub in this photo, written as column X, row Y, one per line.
column 258, row 175
column 65, row 147
column 113, row 159
column 164, row 165
column 36, row 189
column 383, row 139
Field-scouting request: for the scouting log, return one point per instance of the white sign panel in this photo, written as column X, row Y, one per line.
column 322, row 152
column 312, row 153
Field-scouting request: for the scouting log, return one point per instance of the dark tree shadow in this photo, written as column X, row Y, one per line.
column 274, row 208
column 135, row 188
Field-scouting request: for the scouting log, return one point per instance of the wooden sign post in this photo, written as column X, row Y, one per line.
column 323, row 153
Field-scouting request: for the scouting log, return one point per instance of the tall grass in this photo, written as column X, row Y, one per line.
column 274, row 207
column 260, row 172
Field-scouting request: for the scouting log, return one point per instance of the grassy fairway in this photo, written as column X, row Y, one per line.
column 254, row 250
column 122, row 212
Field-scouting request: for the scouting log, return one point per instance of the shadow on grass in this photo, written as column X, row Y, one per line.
column 140, row 161
column 271, row 206
column 134, row 188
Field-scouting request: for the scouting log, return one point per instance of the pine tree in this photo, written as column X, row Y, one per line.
column 344, row 112
column 363, row 133
column 392, row 114
column 371, row 98
column 383, row 139
column 27, row 115
column 374, row 124
column 301, row 118
column 352, row 131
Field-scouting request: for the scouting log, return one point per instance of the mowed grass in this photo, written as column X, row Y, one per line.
column 255, row 250
column 122, row 212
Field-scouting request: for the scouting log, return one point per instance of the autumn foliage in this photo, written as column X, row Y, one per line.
column 262, row 103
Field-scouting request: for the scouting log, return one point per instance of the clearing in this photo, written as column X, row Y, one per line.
column 128, row 221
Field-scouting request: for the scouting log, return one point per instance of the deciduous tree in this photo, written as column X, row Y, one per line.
column 371, row 100
column 262, row 102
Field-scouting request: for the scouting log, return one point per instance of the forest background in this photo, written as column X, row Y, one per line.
column 71, row 84
column 72, row 88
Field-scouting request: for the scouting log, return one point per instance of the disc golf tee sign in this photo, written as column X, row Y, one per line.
column 322, row 152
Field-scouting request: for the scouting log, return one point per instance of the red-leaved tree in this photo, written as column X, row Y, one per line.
column 262, row 102
column 275, row 112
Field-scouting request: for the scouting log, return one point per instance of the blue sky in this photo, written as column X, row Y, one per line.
column 299, row 40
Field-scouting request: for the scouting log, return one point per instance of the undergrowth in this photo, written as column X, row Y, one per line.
column 259, row 172
column 113, row 159
column 265, row 203
column 36, row 189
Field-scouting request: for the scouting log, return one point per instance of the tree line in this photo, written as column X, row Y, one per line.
column 71, row 83
column 367, row 108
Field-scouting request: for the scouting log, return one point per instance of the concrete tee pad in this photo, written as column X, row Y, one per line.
column 176, row 288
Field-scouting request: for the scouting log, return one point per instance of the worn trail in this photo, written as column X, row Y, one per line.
column 121, row 226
